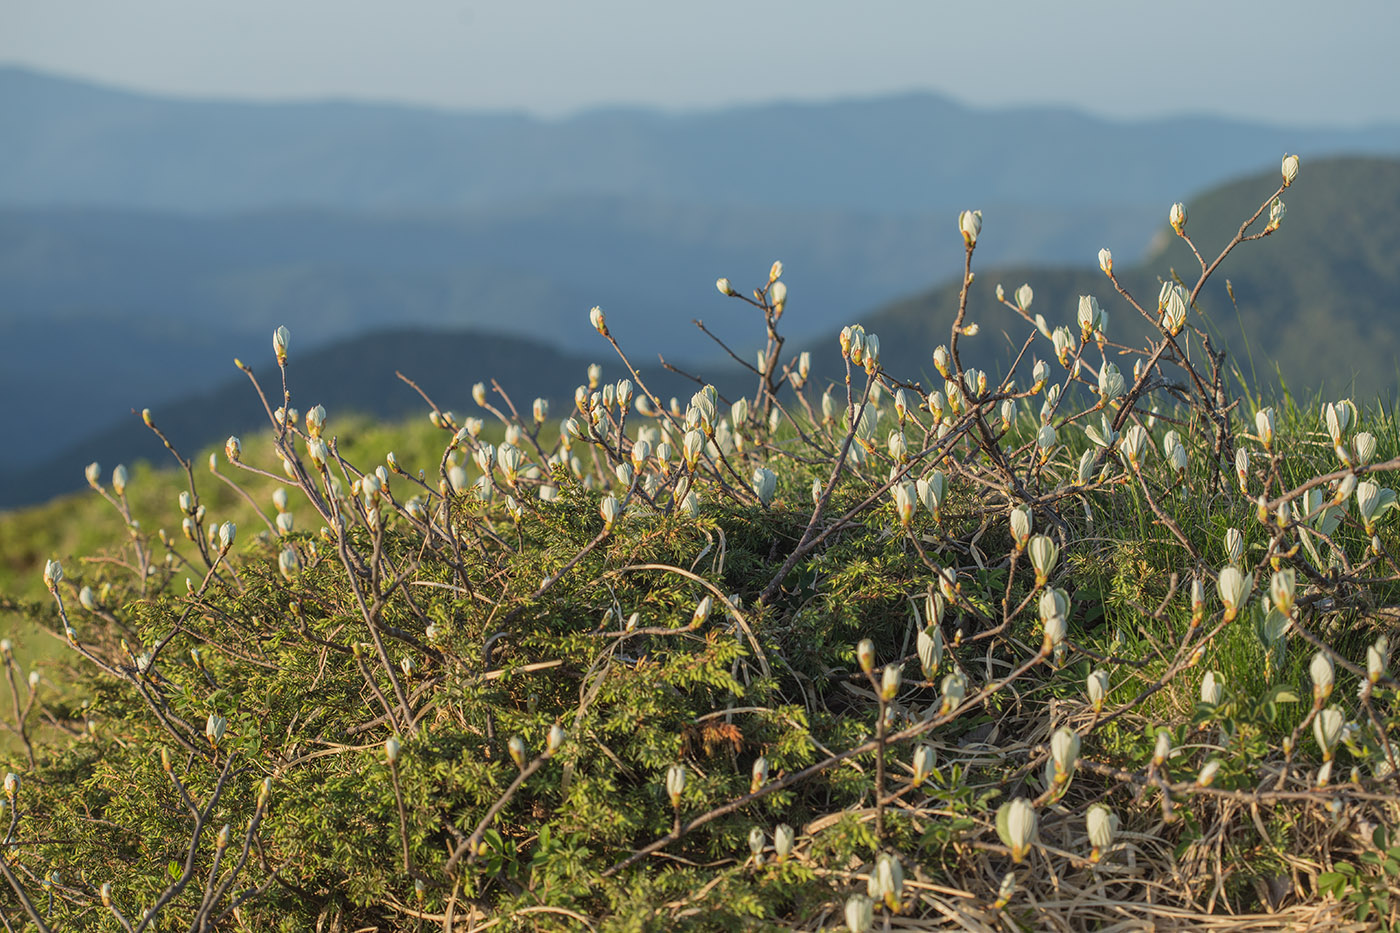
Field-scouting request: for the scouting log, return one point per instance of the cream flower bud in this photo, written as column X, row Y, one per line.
column 288, row 562
column 1021, row 523
column 970, row 225
column 1234, row 588
column 11, row 786
column 1024, row 296
column 1323, row 676
column 609, row 509
column 516, row 747
column 1327, row 730
column 860, row 913
column 1089, row 315
column 725, row 288
column 53, row 574
column 1064, row 752
column 1264, row 426
column 930, row 649
column 280, row 338
column 1163, row 748
column 941, row 360
column 214, row 728
column 890, row 681
column 758, row 774
column 93, row 472
column 777, row 295
column 597, row 319
column 1290, row 169
column 1212, row 689
column 924, row 759
column 1044, row 554
column 1097, row 685
column 1282, row 586
column 865, row 654
column 1102, row 825
column 783, row 838
column 757, row 840
column 887, row 881
column 1016, row 825
column 775, row 272
column 1177, row 217
column 953, row 689
column 1277, row 210
column 1375, row 659
column 1208, row 772
column 765, row 484
column 392, row 747
column 1106, row 261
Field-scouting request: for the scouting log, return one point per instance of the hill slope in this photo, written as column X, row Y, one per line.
column 1316, row 297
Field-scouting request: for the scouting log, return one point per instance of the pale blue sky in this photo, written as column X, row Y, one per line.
column 1288, row 61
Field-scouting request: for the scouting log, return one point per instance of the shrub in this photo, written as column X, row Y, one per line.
column 1090, row 641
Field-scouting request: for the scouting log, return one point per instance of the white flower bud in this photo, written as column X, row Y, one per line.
column 597, row 319
column 1106, row 261
column 1290, row 169
column 970, row 225
column 280, row 338
column 725, row 288
column 1212, row 689
column 1323, row 676
column 1097, row 684
column 924, row 759
column 1024, row 297
column 1016, row 825
column 1177, row 218
column 392, row 747
column 1327, row 730
column 783, row 838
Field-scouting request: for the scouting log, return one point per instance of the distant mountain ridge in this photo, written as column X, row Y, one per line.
column 70, row 142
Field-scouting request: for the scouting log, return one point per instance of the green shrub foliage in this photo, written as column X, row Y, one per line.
column 1102, row 636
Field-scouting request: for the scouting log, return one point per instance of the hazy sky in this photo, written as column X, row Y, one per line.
column 1284, row 61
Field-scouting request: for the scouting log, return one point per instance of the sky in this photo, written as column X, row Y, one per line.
column 1286, row 61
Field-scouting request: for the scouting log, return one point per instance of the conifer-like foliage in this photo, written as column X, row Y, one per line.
column 1100, row 640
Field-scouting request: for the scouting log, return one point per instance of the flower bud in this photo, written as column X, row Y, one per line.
column 890, row 681
column 1024, row 296
column 1323, row 677
column 1097, row 684
column 1163, row 748
column 516, row 747
column 759, row 774
column 783, row 838
column 1290, row 169
column 1212, row 689
column 280, row 337
column 11, row 786
column 1277, row 210
column 1327, row 730
column 596, row 318
column 1375, row 659
column 970, row 225
column 675, row 783
column 1177, row 217
column 53, row 574
column 924, row 759
column 860, row 913
column 725, row 288
column 1208, row 772
column 757, row 840
column 1016, row 825
column 1106, row 261
column 1102, row 824
column 765, row 484
column 214, row 728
